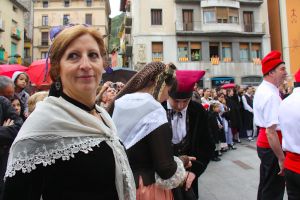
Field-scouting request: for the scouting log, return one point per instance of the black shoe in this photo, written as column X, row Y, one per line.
column 230, row 146
column 215, row 159
column 223, row 150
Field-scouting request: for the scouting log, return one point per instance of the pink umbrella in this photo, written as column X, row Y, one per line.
column 36, row 72
column 8, row 70
column 228, row 86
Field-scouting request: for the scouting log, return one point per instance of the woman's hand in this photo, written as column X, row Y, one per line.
column 189, row 180
column 8, row 122
column 187, row 160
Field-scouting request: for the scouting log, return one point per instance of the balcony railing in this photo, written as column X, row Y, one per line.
column 257, row 2
column 200, row 27
column 15, row 33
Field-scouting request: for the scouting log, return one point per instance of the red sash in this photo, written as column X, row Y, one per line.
column 262, row 140
column 292, row 162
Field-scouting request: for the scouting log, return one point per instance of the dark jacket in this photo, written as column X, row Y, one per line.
column 7, row 133
column 200, row 143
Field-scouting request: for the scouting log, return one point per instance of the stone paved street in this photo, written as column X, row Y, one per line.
column 236, row 177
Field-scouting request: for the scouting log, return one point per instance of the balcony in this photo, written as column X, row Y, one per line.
column 2, row 29
column 225, row 29
column 42, row 43
column 128, row 19
column 187, row 1
column 27, row 60
column 251, row 2
column 15, row 33
column 220, row 3
column 127, row 29
column 3, row 56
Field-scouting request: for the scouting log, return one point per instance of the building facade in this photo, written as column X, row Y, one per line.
column 12, row 31
column 284, row 18
column 49, row 13
column 226, row 38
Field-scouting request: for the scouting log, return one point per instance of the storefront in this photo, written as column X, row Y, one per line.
column 218, row 81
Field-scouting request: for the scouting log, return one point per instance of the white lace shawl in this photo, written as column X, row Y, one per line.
column 58, row 129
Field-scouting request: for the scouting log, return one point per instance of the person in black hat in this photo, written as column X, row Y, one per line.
column 188, row 120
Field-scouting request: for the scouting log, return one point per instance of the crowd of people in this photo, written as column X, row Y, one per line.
column 150, row 138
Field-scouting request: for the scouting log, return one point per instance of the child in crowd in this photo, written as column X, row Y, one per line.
column 16, row 103
column 217, row 130
column 36, row 97
column 21, row 80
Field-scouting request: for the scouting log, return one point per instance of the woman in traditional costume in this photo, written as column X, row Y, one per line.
column 68, row 148
column 143, row 128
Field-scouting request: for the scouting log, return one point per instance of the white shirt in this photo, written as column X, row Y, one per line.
column 245, row 103
column 289, row 117
column 266, row 104
column 178, row 126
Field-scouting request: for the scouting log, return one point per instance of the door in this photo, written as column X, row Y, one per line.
column 187, row 16
column 13, row 52
column 248, row 21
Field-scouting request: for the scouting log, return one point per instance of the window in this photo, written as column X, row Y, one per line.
column 226, row 52
column 195, row 51
column 222, row 15
column 89, row 3
column 156, row 16
column 66, row 19
column 157, row 51
column 255, row 50
column 45, row 4
column 209, row 15
column 233, row 15
column 45, row 38
column 182, row 48
column 43, row 54
column 244, row 52
column 248, row 21
column 45, row 20
column 214, row 50
column 67, row 3
column 187, row 17
column 26, row 52
column 88, row 19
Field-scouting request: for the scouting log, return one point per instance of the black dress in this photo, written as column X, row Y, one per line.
column 87, row 176
column 153, row 154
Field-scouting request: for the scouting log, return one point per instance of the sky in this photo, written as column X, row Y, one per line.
column 115, row 8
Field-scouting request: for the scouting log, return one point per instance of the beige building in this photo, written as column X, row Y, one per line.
column 226, row 38
column 11, row 31
column 49, row 13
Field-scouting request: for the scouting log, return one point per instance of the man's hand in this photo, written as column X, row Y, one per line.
column 8, row 122
column 189, row 180
column 281, row 166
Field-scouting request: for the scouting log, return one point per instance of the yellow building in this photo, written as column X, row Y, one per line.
column 284, row 18
column 49, row 13
column 11, row 31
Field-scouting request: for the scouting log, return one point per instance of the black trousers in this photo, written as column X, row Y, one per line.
column 292, row 184
column 271, row 185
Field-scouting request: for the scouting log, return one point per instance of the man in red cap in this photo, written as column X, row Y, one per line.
column 265, row 108
column 188, row 120
column 289, row 118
